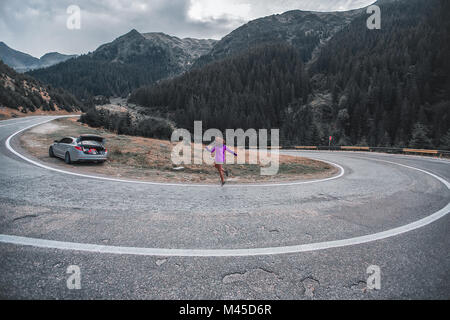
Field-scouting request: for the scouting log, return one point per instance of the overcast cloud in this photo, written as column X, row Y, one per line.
column 38, row 26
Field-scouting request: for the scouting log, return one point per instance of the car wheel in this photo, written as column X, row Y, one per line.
column 67, row 158
column 50, row 153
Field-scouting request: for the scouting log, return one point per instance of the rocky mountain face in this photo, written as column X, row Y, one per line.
column 128, row 47
column 303, row 30
column 177, row 55
column 186, row 51
column 22, row 62
column 127, row 63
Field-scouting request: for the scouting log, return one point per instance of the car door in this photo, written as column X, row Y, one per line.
column 61, row 147
column 66, row 144
column 57, row 148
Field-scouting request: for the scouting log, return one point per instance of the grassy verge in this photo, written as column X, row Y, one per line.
column 150, row 159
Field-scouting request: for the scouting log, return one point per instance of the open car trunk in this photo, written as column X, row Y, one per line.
column 91, row 144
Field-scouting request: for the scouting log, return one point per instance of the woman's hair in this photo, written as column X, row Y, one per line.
column 219, row 140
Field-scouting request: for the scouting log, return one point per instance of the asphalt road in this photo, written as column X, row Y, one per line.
column 377, row 192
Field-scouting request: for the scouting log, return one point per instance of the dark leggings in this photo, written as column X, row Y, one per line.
column 219, row 167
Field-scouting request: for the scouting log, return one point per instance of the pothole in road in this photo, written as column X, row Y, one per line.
column 310, row 285
column 258, row 280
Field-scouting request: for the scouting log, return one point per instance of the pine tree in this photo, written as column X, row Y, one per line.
column 445, row 141
column 420, row 137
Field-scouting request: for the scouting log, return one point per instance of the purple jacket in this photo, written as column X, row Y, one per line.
column 220, row 153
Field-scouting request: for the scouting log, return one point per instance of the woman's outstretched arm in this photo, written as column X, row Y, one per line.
column 230, row 151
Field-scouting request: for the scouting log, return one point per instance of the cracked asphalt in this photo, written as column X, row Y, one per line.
column 371, row 197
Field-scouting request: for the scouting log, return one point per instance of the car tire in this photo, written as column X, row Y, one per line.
column 67, row 158
column 51, row 154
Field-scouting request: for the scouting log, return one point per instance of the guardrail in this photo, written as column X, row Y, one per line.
column 423, row 151
column 306, row 147
column 356, row 148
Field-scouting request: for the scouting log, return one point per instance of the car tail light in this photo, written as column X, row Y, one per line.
column 79, row 148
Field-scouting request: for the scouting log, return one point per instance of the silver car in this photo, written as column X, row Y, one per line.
column 86, row 148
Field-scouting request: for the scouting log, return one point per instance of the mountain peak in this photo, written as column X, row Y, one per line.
column 4, row 46
column 50, row 54
column 132, row 34
column 53, row 58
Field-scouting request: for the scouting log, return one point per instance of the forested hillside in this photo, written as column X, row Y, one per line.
column 390, row 84
column 246, row 91
column 387, row 87
column 22, row 92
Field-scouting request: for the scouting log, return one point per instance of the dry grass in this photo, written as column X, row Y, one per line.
column 150, row 159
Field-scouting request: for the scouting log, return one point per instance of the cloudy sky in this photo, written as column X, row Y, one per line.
column 40, row 26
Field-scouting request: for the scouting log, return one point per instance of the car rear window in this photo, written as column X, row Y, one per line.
column 66, row 140
column 90, row 139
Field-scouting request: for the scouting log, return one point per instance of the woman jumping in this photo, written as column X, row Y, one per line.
column 220, row 149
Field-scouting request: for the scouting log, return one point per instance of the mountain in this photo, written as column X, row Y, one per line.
column 22, row 62
column 52, row 58
column 23, row 93
column 363, row 87
column 18, row 60
column 303, row 30
column 175, row 54
column 129, row 62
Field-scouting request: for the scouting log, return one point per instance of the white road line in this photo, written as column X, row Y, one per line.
column 50, row 244
column 84, row 247
column 10, row 148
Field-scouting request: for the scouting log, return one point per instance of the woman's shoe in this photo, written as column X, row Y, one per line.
column 223, row 182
